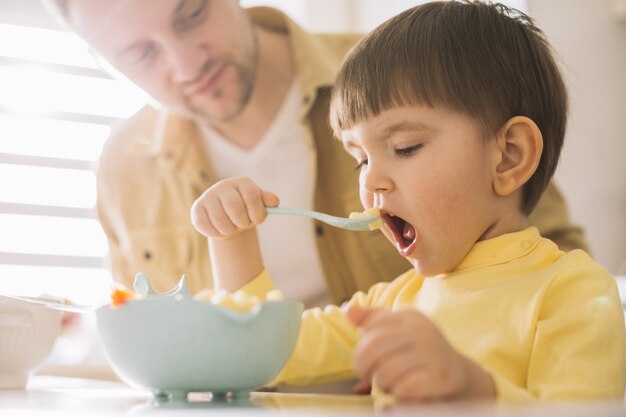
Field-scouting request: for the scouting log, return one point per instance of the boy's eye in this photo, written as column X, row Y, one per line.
column 408, row 151
column 360, row 164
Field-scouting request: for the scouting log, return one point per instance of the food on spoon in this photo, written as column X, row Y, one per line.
column 377, row 223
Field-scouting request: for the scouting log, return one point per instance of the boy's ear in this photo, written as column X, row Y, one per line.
column 519, row 145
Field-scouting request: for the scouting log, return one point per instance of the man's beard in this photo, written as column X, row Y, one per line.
column 244, row 83
column 245, row 73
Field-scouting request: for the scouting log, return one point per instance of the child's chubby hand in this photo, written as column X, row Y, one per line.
column 230, row 207
column 404, row 354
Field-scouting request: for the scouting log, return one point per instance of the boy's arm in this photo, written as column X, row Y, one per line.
column 323, row 352
column 579, row 346
column 325, row 347
column 230, row 272
column 228, row 213
column 580, row 343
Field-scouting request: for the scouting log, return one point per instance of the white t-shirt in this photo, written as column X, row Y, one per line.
column 280, row 163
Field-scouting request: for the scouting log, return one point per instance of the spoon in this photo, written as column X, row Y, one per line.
column 72, row 308
column 367, row 222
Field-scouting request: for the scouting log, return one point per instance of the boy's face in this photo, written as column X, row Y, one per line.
column 429, row 170
column 195, row 56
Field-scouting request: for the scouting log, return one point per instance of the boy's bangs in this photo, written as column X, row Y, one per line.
column 486, row 61
column 417, row 63
column 374, row 95
column 367, row 87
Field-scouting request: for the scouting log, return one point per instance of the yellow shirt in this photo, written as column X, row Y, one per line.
column 154, row 166
column 546, row 324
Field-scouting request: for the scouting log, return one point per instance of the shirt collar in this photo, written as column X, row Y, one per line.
column 316, row 63
column 500, row 249
column 178, row 135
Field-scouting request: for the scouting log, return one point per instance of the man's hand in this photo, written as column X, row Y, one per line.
column 230, row 207
column 404, row 354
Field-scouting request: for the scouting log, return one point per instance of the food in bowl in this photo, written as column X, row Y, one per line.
column 173, row 343
column 121, row 295
column 237, row 301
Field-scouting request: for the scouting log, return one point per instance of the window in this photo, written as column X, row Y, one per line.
column 51, row 134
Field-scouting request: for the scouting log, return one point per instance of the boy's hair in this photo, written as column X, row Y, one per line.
column 486, row 60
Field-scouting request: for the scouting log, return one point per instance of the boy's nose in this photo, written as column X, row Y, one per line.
column 374, row 180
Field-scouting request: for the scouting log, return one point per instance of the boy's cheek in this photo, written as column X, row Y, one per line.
column 367, row 198
column 389, row 236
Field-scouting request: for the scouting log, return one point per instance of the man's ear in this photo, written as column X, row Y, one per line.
column 519, row 146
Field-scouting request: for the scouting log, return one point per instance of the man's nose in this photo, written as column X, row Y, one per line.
column 185, row 60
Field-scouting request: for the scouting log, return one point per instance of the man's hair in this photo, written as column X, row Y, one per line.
column 486, row 60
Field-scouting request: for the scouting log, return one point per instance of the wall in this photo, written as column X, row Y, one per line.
column 590, row 37
column 25, row 12
column 591, row 41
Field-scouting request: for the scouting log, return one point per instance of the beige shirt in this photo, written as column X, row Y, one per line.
column 154, row 167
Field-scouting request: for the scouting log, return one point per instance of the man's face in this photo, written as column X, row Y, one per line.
column 197, row 57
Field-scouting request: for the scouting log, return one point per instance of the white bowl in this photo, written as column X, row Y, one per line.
column 27, row 335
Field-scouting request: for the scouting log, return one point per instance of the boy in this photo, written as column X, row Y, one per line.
column 455, row 114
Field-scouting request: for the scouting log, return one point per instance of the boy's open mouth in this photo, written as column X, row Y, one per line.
column 403, row 233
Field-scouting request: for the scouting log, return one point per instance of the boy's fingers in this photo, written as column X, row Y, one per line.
column 395, row 367
column 362, row 388
column 270, row 199
column 376, row 347
column 200, row 220
column 219, row 219
column 381, row 342
column 234, row 205
column 251, row 196
column 358, row 315
column 368, row 318
column 198, row 216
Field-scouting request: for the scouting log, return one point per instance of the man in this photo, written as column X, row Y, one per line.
column 241, row 93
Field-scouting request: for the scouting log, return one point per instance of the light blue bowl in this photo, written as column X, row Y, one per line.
column 174, row 344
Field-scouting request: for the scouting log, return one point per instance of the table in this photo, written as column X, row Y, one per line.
column 68, row 397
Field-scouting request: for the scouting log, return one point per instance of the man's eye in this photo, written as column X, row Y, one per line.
column 145, row 53
column 195, row 13
column 409, row 150
column 189, row 12
column 140, row 54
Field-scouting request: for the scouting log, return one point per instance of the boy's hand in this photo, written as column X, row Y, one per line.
column 230, row 207
column 410, row 359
